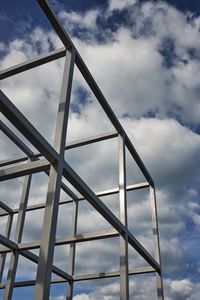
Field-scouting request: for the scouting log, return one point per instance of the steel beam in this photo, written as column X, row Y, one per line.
column 45, row 262
column 32, row 63
column 135, row 271
column 66, row 240
column 7, row 235
column 25, row 169
column 85, row 277
column 84, row 237
column 131, row 239
column 70, row 287
column 160, row 293
column 132, row 187
column 70, row 145
column 18, row 237
column 10, row 161
column 124, row 265
column 91, row 140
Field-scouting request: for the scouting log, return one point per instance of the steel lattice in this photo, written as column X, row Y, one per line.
column 50, row 159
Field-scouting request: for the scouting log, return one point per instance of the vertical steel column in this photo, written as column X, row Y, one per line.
column 124, row 277
column 7, row 234
column 72, row 249
column 18, row 237
column 156, row 242
column 43, row 278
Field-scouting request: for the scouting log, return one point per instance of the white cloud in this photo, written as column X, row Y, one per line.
column 134, row 64
column 145, row 289
column 84, row 297
column 182, row 289
column 120, row 4
column 84, row 20
column 58, row 298
column 182, row 286
column 33, row 92
column 167, row 149
column 123, row 68
column 193, row 211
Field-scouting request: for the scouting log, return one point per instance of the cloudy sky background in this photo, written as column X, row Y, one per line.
column 145, row 57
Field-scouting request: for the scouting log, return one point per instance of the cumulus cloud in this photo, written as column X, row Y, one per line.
column 194, row 209
column 84, row 297
column 84, row 20
column 31, row 91
column 159, row 50
column 181, row 289
column 167, row 145
column 58, row 298
column 120, row 4
column 145, row 289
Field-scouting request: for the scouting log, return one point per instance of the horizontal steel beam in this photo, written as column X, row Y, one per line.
column 84, row 237
column 26, row 283
column 21, row 284
column 99, row 194
column 142, row 270
column 129, row 188
column 70, row 145
column 76, row 278
column 91, row 140
column 32, row 63
column 77, row 238
column 91, row 236
column 25, row 169
column 11, row 161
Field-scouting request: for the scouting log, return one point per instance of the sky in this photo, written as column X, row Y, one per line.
column 145, row 57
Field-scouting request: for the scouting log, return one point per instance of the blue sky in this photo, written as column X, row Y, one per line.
column 26, row 15
column 145, row 56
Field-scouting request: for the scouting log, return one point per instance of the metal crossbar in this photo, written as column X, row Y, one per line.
column 51, row 160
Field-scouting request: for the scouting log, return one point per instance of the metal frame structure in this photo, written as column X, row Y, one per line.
column 51, row 160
